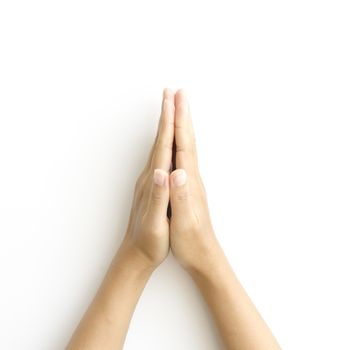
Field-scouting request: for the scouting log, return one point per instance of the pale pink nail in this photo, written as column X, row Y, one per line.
column 159, row 177
column 180, row 177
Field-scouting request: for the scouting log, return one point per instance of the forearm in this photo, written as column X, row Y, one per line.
column 145, row 246
column 238, row 321
column 106, row 322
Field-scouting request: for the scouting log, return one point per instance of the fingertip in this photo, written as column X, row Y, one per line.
column 168, row 94
column 181, row 92
column 181, row 102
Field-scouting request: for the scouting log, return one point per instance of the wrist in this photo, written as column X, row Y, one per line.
column 130, row 260
column 211, row 266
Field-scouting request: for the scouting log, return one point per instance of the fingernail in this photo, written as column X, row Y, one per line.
column 164, row 103
column 159, row 177
column 180, row 178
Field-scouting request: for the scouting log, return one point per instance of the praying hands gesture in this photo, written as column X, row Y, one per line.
column 170, row 211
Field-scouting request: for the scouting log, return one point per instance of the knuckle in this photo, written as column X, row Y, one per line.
column 140, row 182
column 191, row 228
column 156, row 197
column 155, row 231
column 165, row 145
column 180, row 128
column 185, row 147
column 191, row 225
column 162, row 149
column 181, row 196
column 151, row 227
column 181, row 148
column 138, row 196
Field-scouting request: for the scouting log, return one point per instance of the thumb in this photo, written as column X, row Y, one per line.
column 159, row 197
column 179, row 193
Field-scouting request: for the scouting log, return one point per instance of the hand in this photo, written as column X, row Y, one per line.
column 147, row 235
column 192, row 237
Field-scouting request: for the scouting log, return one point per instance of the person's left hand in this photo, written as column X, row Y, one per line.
column 147, row 235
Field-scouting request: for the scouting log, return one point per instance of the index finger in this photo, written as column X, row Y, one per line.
column 162, row 153
column 186, row 154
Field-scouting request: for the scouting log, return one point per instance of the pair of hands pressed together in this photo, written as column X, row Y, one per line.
column 171, row 177
column 188, row 232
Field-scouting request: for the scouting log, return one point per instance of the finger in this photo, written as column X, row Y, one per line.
column 167, row 94
column 159, row 197
column 179, row 194
column 163, row 147
column 186, row 156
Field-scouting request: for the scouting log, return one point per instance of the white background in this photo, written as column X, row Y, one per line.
column 80, row 93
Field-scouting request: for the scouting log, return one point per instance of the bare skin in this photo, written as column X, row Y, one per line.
column 188, row 233
column 196, row 248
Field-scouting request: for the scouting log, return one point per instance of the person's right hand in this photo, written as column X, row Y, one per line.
column 192, row 237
